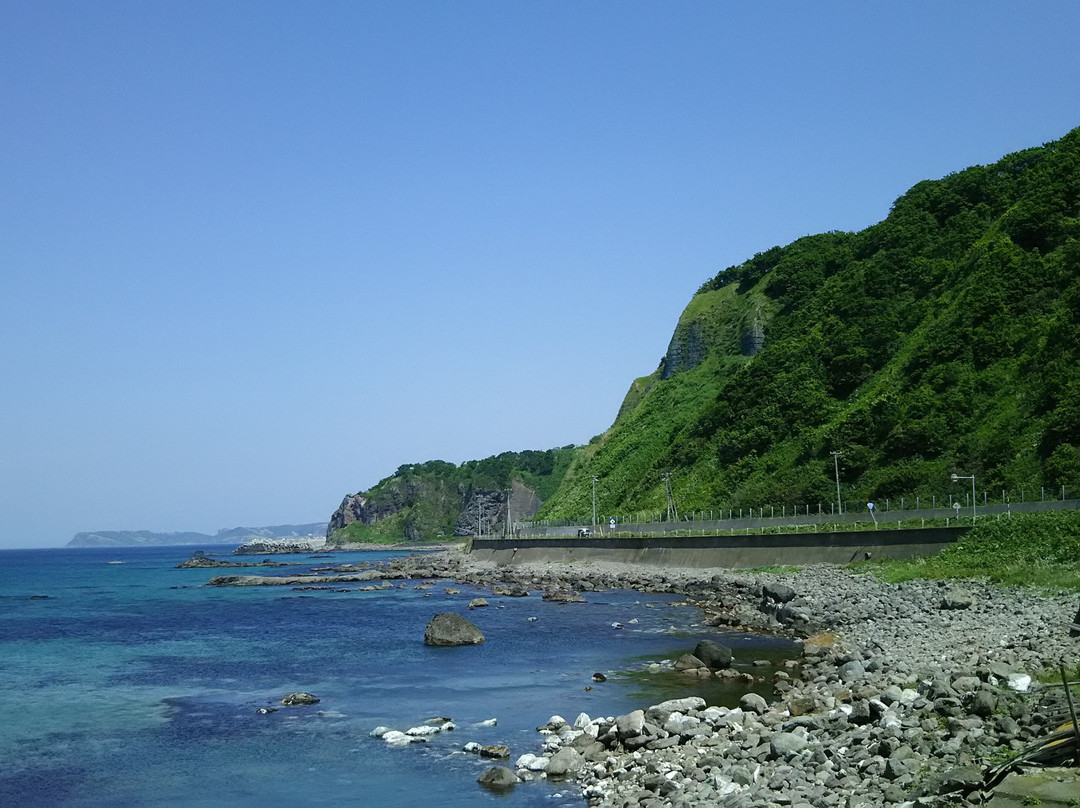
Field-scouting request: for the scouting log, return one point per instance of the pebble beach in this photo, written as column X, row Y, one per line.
column 905, row 694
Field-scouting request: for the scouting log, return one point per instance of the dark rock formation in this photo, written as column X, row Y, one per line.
column 450, row 628
column 715, row 655
column 483, row 511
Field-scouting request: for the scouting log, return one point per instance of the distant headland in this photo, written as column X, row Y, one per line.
column 235, row 535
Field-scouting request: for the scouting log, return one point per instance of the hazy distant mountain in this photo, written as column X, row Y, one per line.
column 236, row 535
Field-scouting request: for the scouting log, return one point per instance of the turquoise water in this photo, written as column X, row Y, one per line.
column 133, row 684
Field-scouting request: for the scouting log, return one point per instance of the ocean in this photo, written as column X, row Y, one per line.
column 128, row 682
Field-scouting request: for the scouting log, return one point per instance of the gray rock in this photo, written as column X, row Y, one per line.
column 983, row 704
column 754, row 703
column 565, row 762
column 498, row 778
column 450, row 628
column 688, row 662
column 630, row 725
column 476, row 603
column 299, row 699
column 778, row 593
column 956, row 599
column 852, row 671
column 563, row 596
column 497, row 751
column 783, row 744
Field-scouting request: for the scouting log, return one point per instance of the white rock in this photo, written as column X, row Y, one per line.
column 556, row 721
column 422, row 732
column 395, row 738
column 471, row 747
column 1020, row 682
column 378, row 732
column 490, row 722
column 712, row 714
column 582, row 721
column 524, row 760
column 678, row 723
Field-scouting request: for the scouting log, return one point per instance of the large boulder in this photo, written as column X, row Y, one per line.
column 498, row 778
column 777, row 593
column 565, row 762
column 450, row 628
column 715, row 655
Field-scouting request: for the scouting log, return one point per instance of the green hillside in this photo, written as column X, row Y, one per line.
column 944, row 338
column 436, row 499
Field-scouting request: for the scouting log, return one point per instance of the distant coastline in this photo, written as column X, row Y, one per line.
column 236, row 535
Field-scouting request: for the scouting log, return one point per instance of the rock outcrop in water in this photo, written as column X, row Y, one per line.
column 450, row 628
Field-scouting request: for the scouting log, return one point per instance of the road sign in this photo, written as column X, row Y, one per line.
column 611, row 523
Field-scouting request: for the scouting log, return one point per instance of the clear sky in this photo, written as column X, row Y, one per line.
column 256, row 255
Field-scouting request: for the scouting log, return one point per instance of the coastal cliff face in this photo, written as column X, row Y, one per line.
column 437, row 499
column 352, row 509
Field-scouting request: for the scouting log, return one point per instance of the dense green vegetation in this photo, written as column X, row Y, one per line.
column 943, row 339
column 423, row 501
column 1040, row 549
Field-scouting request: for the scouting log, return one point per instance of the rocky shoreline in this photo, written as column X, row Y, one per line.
column 906, row 694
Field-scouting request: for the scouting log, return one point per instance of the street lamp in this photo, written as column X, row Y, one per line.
column 836, row 468
column 594, row 479
column 956, row 477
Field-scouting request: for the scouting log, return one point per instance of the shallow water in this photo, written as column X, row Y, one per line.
column 133, row 684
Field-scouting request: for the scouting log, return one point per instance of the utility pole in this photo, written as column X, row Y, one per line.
column 836, row 468
column 672, row 510
column 594, row 479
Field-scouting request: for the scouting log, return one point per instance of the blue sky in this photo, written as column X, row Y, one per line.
column 254, row 256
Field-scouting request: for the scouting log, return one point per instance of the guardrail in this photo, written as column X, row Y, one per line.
column 807, row 522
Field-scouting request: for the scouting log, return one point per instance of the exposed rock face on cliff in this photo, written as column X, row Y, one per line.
column 483, row 513
column 435, row 507
column 350, row 510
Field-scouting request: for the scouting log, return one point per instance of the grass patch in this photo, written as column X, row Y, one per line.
column 1039, row 549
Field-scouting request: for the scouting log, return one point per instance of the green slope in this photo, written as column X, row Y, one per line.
column 944, row 338
column 426, row 501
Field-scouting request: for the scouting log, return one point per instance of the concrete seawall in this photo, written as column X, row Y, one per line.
column 733, row 552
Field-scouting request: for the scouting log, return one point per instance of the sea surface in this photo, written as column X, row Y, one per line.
column 125, row 681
